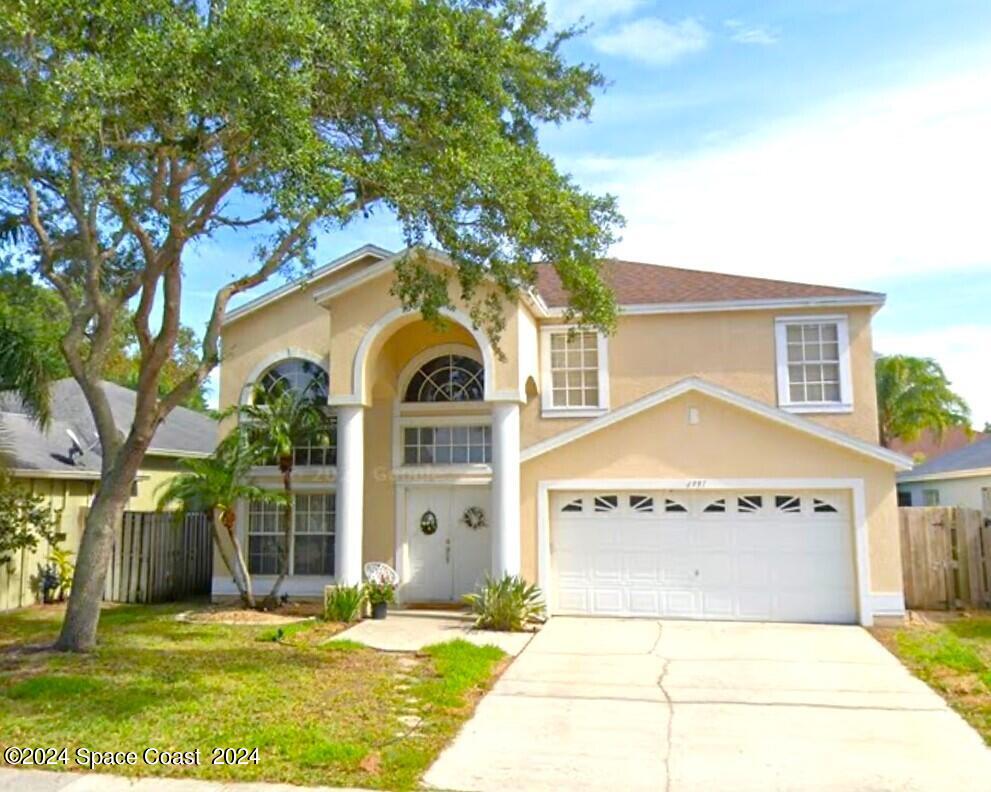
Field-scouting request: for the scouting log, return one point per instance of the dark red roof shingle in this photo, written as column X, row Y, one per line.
column 635, row 283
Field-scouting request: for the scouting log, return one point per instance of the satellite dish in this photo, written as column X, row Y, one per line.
column 77, row 445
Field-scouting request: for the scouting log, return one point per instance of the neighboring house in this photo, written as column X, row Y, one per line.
column 715, row 458
column 930, row 445
column 63, row 463
column 959, row 478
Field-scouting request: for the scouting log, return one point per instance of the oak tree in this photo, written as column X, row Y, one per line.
column 130, row 129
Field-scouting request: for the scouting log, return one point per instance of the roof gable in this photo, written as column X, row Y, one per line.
column 730, row 397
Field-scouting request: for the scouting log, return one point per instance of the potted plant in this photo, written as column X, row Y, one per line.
column 380, row 596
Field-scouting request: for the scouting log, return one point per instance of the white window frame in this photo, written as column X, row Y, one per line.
column 845, row 404
column 244, row 525
column 547, row 406
column 434, row 421
column 930, row 497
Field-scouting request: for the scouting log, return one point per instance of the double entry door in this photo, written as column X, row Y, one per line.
column 448, row 541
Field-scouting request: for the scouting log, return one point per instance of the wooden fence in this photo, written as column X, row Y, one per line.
column 946, row 557
column 157, row 558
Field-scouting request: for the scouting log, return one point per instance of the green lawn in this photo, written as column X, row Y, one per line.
column 954, row 658
column 319, row 711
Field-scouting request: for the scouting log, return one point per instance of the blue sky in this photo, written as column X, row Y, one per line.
column 833, row 142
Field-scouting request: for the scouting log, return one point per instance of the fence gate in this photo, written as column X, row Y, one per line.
column 946, row 558
column 157, row 558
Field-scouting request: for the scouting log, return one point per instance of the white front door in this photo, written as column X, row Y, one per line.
column 776, row 555
column 452, row 560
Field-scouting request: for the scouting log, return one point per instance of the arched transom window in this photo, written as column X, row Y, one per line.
column 302, row 377
column 447, row 378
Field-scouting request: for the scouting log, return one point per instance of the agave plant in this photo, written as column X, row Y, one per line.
column 215, row 485
column 508, row 604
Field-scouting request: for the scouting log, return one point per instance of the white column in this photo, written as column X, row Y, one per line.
column 505, row 488
column 350, row 492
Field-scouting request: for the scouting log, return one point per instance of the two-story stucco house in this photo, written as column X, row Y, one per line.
column 715, row 458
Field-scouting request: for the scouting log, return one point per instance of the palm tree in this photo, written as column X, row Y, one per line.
column 278, row 420
column 24, row 371
column 914, row 394
column 215, row 485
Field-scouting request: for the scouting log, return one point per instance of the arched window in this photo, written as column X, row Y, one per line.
column 300, row 376
column 447, row 378
column 308, row 380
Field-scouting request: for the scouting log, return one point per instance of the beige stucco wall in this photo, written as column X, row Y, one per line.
column 733, row 349
column 966, row 492
column 69, row 498
column 154, row 472
column 727, row 443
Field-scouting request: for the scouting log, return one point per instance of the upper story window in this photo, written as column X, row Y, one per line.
column 307, row 380
column 447, row 378
column 574, row 372
column 813, row 362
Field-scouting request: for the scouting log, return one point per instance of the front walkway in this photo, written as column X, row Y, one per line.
column 411, row 630
column 597, row 704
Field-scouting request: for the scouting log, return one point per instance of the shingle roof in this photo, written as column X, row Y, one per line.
column 932, row 445
column 975, row 456
column 23, row 446
column 635, row 283
column 183, row 432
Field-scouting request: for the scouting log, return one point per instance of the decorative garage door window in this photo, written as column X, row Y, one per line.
column 675, row 505
column 447, row 378
column 447, row 445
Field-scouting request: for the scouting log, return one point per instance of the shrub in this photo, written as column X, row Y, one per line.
column 343, row 603
column 508, row 604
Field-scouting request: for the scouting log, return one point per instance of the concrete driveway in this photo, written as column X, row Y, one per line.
column 637, row 704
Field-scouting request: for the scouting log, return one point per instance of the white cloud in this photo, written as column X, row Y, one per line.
column 868, row 187
column 654, row 41
column 960, row 350
column 750, row 34
column 567, row 12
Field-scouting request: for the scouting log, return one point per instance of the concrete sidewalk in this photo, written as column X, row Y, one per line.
column 411, row 630
column 15, row 780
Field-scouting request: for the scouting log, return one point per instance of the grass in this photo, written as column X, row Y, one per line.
column 953, row 658
column 320, row 711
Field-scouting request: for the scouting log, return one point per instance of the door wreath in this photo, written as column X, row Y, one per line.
column 474, row 518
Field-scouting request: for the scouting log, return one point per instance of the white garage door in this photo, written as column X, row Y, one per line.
column 770, row 556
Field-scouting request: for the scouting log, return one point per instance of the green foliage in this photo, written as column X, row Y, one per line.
column 277, row 421
column 37, row 314
column 276, row 634
column 25, row 519
column 25, row 370
column 343, row 603
column 377, row 592
column 156, row 112
column 914, row 394
column 56, row 577
column 508, row 604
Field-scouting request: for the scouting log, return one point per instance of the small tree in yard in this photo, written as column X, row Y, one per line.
column 131, row 129
column 214, row 485
column 25, row 519
column 914, row 394
column 277, row 421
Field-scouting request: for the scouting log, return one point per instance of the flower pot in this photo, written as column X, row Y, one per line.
column 379, row 609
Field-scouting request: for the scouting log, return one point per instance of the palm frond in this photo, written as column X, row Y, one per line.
column 23, row 370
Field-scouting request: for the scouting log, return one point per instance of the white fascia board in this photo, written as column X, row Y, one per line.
column 169, row 452
column 530, row 298
column 338, row 263
column 908, row 478
column 741, row 305
column 80, row 475
column 695, row 384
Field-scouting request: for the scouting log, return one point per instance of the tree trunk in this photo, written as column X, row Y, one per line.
column 272, row 598
column 83, row 613
column 235, row 566
column 247, row 593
